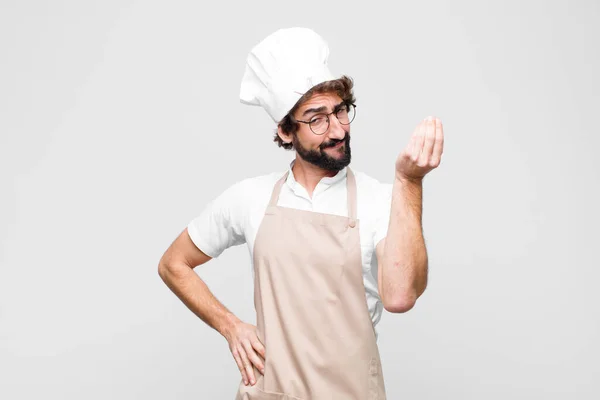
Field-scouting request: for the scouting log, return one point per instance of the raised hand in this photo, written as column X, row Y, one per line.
column 424, row 151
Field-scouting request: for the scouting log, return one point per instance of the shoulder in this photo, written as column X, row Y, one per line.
column 261, row 182
column 250, row 188
column 371, row 187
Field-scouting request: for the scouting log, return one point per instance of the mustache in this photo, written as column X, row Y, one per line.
column 335, row 142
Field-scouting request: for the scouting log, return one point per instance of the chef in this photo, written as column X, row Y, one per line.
column 330, row 247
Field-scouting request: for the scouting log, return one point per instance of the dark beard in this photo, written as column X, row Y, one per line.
column 322, row 159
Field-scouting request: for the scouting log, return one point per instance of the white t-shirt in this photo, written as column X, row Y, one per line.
column 233, row 218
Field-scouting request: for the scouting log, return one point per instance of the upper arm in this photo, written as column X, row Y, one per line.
column 221, row 224
column 183, row 250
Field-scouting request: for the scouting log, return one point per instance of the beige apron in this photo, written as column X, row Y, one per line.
column 311, row 309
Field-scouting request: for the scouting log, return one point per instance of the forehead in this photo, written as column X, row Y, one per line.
column 328, row 100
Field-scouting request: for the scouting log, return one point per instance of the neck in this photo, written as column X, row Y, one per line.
column 309, row 175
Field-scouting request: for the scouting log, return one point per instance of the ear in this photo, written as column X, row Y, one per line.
column 286, row 137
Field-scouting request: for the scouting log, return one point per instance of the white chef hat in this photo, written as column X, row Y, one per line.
column 282, row 67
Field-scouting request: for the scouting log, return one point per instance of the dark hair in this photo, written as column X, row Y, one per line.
column 342, row 87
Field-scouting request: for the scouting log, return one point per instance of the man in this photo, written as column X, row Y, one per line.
column 318, row 235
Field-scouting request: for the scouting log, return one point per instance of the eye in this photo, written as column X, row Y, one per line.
column 316, row 120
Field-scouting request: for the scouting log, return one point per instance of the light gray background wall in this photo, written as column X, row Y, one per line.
column 120, row 120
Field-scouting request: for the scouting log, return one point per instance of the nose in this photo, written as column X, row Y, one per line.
column 337, row 131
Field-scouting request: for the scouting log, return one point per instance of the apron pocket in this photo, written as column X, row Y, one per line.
column 254, row 392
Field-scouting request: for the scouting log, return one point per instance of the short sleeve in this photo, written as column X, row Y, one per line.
column 221, row 224
column 383, row 208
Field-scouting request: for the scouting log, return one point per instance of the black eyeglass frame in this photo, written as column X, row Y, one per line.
column 327, row 118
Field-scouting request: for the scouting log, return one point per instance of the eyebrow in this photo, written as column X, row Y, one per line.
column 321, row 109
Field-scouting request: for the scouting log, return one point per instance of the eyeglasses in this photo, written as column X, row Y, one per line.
column 319, row 123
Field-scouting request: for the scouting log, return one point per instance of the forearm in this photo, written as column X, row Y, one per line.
column 404, row 270
column 194, row 293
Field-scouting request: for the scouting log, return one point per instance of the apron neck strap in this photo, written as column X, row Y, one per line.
column 277, row 190
column 350, row 190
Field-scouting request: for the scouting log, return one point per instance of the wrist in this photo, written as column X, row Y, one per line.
column 228, row 323
column 404, row 180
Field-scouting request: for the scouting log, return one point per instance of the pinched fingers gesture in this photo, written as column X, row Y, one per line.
column 424, row 151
